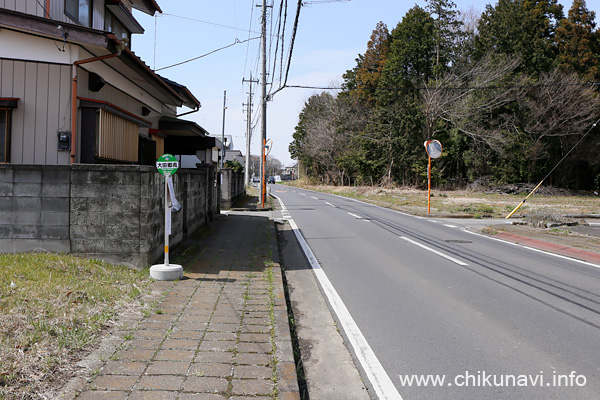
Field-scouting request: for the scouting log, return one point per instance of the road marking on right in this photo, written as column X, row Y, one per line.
column 434, row 251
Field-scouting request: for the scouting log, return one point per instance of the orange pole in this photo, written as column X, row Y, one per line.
column 429, row 187
column 263, row 190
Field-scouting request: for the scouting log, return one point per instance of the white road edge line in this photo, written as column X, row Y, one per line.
column 380, row 380
column 534, row 249
column 447, row 257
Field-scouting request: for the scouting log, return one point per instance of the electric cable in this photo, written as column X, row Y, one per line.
column 491, row 87
column 204, row 22
column 552, row 170
column 47, row 14
column 237, row 41
column 289, row 63
column 279, row 24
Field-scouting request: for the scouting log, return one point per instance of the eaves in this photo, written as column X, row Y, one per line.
column 97, row 43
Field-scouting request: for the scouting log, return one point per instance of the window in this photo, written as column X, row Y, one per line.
column 113, row 25
column 5, row 135
column 79, row 11
column 116, row 138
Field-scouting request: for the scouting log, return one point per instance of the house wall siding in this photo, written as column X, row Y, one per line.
column 33, row 7
column 108, row 93
column 56, row 10
column 43, row 110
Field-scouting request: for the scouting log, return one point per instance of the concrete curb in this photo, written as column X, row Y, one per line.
column 287, row 382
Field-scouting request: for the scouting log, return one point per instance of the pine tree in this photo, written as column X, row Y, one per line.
column 578, row 42
column 369, row 72
column 446, row 32
column 524, row 28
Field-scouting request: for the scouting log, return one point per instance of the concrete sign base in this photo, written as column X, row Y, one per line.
column 162, row 272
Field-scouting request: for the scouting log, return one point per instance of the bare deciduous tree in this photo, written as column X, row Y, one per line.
column 473, row 100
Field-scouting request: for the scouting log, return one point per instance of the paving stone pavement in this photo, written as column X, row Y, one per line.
column 220, row 333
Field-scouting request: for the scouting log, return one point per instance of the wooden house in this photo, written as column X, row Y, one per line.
column 73, row 91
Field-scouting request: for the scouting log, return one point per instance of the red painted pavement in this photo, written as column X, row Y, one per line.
column 552, row 247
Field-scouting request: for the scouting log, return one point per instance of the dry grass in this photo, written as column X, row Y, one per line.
column 53, row 310
column 469, row 203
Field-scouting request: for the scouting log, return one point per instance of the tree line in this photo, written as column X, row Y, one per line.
column 508, row 93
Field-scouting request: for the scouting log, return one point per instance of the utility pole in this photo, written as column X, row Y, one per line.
column 223, row 132
column 248, row 131
column 263, row 99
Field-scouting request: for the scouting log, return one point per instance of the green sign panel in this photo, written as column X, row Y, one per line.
column 167, row 164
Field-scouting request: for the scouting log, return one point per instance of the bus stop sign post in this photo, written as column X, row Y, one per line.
column 167, row 165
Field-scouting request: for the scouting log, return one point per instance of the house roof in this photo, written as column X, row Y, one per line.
column 146, row 6
column 188, row 146
column 124, row 15
column 185, row 137
column 99, row 43
column 180, row 127
column 189, row 99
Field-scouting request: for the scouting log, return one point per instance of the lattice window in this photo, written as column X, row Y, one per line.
column 116, row 138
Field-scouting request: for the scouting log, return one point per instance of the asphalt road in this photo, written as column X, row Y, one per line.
column 492, row 319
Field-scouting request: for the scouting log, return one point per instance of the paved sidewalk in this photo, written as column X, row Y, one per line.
column 220, row 333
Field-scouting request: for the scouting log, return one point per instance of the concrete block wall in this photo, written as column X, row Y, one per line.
column 232, row 186
column 194, row 190
column 110, row 212
column 34, row 208
column 106, row 211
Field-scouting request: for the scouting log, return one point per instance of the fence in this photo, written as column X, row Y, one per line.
column 111, row 212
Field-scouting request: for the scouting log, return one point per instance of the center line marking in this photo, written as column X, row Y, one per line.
column 451, row 226
column 331, row 205
column 439, row 253
column 313, row 197
column 355, row 216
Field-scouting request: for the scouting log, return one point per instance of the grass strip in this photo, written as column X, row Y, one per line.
column 53, row 310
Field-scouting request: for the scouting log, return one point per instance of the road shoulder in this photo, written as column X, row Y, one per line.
column 330, row 372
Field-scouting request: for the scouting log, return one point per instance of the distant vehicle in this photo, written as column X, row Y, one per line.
column 277, row 178
column 271, row 179
column 255, row 179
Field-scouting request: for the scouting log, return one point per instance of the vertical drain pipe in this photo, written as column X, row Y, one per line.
column 74, row 99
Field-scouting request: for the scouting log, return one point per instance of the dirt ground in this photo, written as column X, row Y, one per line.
column 548, row 206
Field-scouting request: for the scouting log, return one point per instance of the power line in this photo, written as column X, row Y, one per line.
column 293, row 39
column 237, row 41
column 491, row 87
column 206, row 22
column 279, row 23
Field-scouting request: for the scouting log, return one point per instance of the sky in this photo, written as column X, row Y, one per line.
column 222, row 38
